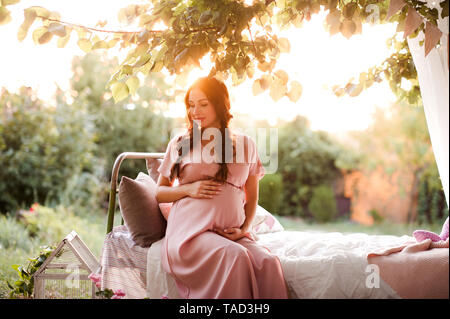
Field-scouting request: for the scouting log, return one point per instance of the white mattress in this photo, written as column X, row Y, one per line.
column 315, row 264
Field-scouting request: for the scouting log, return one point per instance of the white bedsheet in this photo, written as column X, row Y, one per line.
column 315, row 264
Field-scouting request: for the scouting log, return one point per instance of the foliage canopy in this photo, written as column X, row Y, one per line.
column 237, row 36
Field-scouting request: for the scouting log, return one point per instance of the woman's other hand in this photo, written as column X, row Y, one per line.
column 232, row 233
column 204, row 189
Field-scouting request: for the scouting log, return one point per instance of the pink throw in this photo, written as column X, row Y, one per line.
column 416, row 269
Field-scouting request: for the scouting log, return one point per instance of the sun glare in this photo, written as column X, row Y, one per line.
column 316, row 60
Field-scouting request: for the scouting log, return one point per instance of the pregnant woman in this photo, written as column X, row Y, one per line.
column 208, row 249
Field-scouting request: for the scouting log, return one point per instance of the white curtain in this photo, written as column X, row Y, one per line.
column 433, row 75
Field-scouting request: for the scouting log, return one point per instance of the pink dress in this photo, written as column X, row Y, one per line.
column 203, row 263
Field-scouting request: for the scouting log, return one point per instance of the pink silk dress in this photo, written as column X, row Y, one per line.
column 203, row 263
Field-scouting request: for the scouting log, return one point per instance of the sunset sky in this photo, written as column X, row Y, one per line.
column 316, row 60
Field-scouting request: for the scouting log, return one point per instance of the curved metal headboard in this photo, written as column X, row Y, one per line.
column 114, row 176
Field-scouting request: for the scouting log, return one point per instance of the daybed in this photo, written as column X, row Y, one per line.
column 315, row 264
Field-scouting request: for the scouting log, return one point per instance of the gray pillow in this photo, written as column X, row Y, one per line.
column 152, row 167
column 140, row 209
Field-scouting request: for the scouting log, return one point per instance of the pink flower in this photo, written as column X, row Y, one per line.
column 119, row 292
column 164, row 297
column 95, row 278
column 116, row 297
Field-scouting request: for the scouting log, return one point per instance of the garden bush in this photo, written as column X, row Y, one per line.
column 133, row 125
column 41, row 149
column 50, row 226
column 271, row 193
column 307, row 159
column 14, row 234
column 323, row 204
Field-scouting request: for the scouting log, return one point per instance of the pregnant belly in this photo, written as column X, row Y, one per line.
column 225, row 209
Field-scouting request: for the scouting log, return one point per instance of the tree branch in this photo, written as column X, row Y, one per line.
column 97, row 30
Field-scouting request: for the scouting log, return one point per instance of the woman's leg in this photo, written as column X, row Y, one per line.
column 211, row 266
column 268, row 271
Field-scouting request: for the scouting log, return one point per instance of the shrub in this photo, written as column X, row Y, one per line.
column 41, row 149
column 437, row 206
column 423, row 204
column 138, row 129
column 307, row 159
column 271, row 193
column 24, row 286
column 13, row 234
column 323, row 204
column 377, row 218
column 51, row 225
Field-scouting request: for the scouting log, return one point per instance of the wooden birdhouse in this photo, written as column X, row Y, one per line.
column 64, row 274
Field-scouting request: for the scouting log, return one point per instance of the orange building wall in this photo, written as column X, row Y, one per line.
column 391, row 195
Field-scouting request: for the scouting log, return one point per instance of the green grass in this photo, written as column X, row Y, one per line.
column 16, row 246
column 383, row 228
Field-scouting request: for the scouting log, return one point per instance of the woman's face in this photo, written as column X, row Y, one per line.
column 201, row 109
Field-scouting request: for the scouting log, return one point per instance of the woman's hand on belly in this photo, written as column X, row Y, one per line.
column 232, row 233
column 204, row 188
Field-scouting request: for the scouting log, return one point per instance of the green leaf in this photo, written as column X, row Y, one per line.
column 100, row 45
column 256, row 87
column 205, row 17
column 30, row 16
column 282, row 75
column 349, row 10
column 9, row 285
column 133, row 84
column 265, row 81
column 41, row 35
column 119, row 91
column 141, row 49
column 5, row 15
column 348, row 28
column 146, row 19
column 57, row 29
column 15, row 267
column 284, row 45
column 264, row 66
column 9, row 2
column 40, row 11
column 332, row 5
column 278, row 89
column 63, row 41
column 333, row 18
column 143, row 59
column 85, row 45
column 112, row 43
column 444, row 12
column 126, row 70
column 354, row 90
column 296, row 91
column 126, row 15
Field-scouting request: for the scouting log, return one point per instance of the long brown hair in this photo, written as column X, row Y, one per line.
column 217, row 94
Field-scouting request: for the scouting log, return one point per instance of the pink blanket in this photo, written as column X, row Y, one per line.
column 416, row 269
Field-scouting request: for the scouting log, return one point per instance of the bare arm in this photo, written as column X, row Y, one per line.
column 251, row 193
column 166, row 193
